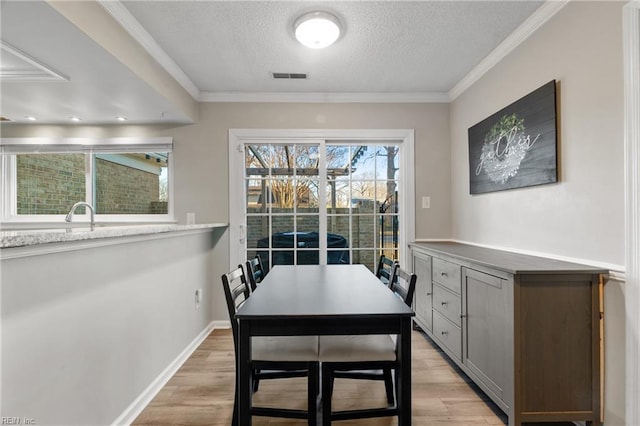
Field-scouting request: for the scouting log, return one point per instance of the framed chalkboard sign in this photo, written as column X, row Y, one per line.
column 516, row 146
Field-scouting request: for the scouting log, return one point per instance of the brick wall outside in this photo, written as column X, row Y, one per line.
column 125, row 190
column 49, row 183
column 52, row 183
column 362, row 232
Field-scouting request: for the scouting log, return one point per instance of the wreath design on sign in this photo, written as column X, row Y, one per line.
column 505, row 146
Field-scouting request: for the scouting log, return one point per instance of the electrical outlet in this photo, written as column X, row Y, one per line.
column 198, row 297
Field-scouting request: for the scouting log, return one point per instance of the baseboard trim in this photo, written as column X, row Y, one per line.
column 133, row 411
column 221, row 324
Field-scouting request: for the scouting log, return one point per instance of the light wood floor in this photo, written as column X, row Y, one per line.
column 201, row 392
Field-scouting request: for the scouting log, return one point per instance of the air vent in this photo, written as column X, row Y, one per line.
column 289, row 76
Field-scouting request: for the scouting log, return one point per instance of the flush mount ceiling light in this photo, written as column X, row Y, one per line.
column 317, row 29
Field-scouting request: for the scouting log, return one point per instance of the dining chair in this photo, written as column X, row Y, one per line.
column 385, row 268
column 345, row 356
column 384, row 271
column 255, row 271
column 273, row 356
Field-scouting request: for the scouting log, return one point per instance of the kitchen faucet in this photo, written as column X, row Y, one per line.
column 73, row 209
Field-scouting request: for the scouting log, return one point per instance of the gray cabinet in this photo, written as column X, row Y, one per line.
column 447, row 306
column 423, row 293
column 525, row 329
column 487, row 331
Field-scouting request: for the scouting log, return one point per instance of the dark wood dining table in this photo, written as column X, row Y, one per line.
column 323, row 300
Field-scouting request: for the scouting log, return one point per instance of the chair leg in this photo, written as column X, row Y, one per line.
column 388, row 385
column 327, row 392
column 332, row 380
column 313, row 386
column 255, row 380
column 234, row 419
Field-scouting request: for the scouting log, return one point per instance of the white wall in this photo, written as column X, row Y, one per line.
column 201, row 159
column 201, row 152
column 582, row 216
column 85, row 332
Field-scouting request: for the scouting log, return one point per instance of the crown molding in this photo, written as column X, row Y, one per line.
column 137, row 31
column 38, row 71
column 122, row 15
column 323, row 97
column 526, row 29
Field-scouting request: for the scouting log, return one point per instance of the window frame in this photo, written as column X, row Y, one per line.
column 237, row 138
column 10, row 147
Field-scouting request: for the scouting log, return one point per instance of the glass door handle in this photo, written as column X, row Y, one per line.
column 243, row 234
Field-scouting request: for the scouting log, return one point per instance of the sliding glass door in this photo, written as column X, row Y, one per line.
column 318, row 201
column 362, row 199
column 282, row 203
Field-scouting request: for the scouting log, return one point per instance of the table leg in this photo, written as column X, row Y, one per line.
column 404, row 375
column 243, row 387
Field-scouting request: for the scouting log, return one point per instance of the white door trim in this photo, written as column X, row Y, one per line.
column 631, row 36
column 237, row 137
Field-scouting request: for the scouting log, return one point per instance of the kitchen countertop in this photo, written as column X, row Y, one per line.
column 23, row 238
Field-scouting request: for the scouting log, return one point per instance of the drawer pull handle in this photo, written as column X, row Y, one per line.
column 428, row 294
column 443, row 303
column 444, row 333
column 443, row 274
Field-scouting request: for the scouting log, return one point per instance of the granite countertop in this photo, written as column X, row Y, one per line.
column 22, row 238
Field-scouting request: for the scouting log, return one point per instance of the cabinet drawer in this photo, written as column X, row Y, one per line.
column 447, row 274
column 448, row 334
column 447, row 303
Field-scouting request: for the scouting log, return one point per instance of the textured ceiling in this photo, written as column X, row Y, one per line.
column 388, row 46
column 227, row 50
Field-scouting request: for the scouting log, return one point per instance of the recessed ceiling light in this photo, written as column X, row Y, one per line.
column 30, row 118
column 76, row 119
column 121, row 118
column 317, row 29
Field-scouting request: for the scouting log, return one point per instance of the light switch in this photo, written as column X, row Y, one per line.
column 426, row 202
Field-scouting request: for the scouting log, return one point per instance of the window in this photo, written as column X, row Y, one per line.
column 48, row 184
column 361, row 192
column 124, row 179
column 132, row 183
column 299, row 198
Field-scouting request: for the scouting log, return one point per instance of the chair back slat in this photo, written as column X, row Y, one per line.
column 255, row 271
column 403, row 284
column 236, row 291
column 384, row 269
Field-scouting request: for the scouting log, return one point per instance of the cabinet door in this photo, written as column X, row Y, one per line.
column 423, row 293
column 486, row 351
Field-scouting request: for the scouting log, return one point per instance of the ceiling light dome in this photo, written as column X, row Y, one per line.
column 317, row 29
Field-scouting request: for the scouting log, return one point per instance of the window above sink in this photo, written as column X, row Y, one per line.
column 124, row 179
